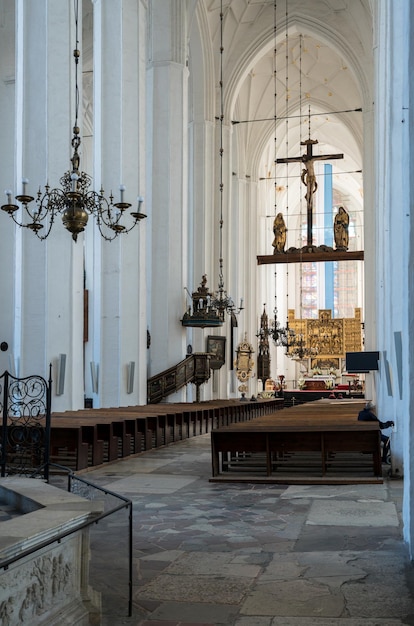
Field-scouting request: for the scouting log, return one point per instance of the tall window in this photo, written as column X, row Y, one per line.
column 309, row 291
column 344, row 276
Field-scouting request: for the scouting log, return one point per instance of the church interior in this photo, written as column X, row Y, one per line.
column 210, row 200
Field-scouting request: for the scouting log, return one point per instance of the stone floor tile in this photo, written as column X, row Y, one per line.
column 353, row 513
column 344, row 492
column 327, row 621
column 338, row 538
column 292, row 598
column 159, row 623
column 194, row 588
column 149, row 483
column 167, row 556
column 197, row 613
column 253, row 621
column 213, row 554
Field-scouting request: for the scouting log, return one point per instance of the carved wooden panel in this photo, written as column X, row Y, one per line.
column 330, row 337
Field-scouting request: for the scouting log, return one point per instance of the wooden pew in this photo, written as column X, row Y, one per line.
column 95, row 431
column 95, row 436
column 319, row 436
column 69, row 446
column 89, row 434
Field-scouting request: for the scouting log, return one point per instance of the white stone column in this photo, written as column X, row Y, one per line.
column 117, row 269
column 7, row 229
column 47, row 275
column 167, row 160
column 394, row 253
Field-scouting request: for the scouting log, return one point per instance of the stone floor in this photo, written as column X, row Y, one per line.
column 249, row 555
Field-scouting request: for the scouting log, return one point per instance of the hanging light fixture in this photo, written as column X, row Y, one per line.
column 279, row 334
column 73, row 200
column 222, row 301
column 201, row 313
column 280, row 337
column 298, row 348
column 210, row 308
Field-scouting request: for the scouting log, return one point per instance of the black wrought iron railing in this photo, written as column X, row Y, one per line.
column 25, row 408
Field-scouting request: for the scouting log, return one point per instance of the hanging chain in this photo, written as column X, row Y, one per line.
column 275, row 132
column 221, row 278
column 300, row 202
column 76, row 141
column 287, row 147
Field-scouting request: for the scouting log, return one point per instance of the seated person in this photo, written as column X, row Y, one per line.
column 367, row 415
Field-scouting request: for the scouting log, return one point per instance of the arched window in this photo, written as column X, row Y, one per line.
column 336, row 287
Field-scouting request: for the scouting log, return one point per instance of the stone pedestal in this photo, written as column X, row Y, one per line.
column 51, row 585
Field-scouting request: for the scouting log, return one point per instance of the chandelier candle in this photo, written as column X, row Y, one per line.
column 122, row 189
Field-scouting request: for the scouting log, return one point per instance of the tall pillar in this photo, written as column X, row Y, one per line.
column 47, row 275
column 7, row 229
column 167, row 159
column 116, row 269
column 392, row 220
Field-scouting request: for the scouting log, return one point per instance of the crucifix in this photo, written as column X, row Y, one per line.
column 308, row 176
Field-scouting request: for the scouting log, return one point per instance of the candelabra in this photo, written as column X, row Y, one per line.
column 298, row 350
column 281, row 336
column 224, row 303
column 73, row 201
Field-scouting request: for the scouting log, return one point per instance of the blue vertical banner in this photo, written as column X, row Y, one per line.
column 328, row 229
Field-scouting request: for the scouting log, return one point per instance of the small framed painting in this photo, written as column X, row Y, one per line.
column 216, row 346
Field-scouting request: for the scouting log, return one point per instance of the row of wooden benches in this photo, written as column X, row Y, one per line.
column 90, row 437
column 312, row 439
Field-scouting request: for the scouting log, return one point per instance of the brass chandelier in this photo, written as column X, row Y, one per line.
column 299, row 350
column 73, row 200
column 281, row 336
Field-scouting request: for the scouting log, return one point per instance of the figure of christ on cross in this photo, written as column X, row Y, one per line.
column 308, row 177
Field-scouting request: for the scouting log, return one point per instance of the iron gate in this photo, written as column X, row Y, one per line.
column 25, row 408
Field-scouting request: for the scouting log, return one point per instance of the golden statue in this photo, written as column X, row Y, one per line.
column 279, row 231
column 341, row 225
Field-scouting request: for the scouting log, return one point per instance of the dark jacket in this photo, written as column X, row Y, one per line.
column 366, row 415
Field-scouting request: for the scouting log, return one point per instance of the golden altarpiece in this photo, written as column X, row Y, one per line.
column 326, row 338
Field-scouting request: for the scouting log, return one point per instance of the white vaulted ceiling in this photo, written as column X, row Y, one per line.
column 324, row 65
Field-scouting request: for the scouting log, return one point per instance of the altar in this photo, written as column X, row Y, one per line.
column 319, row 382
column 321, row 346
